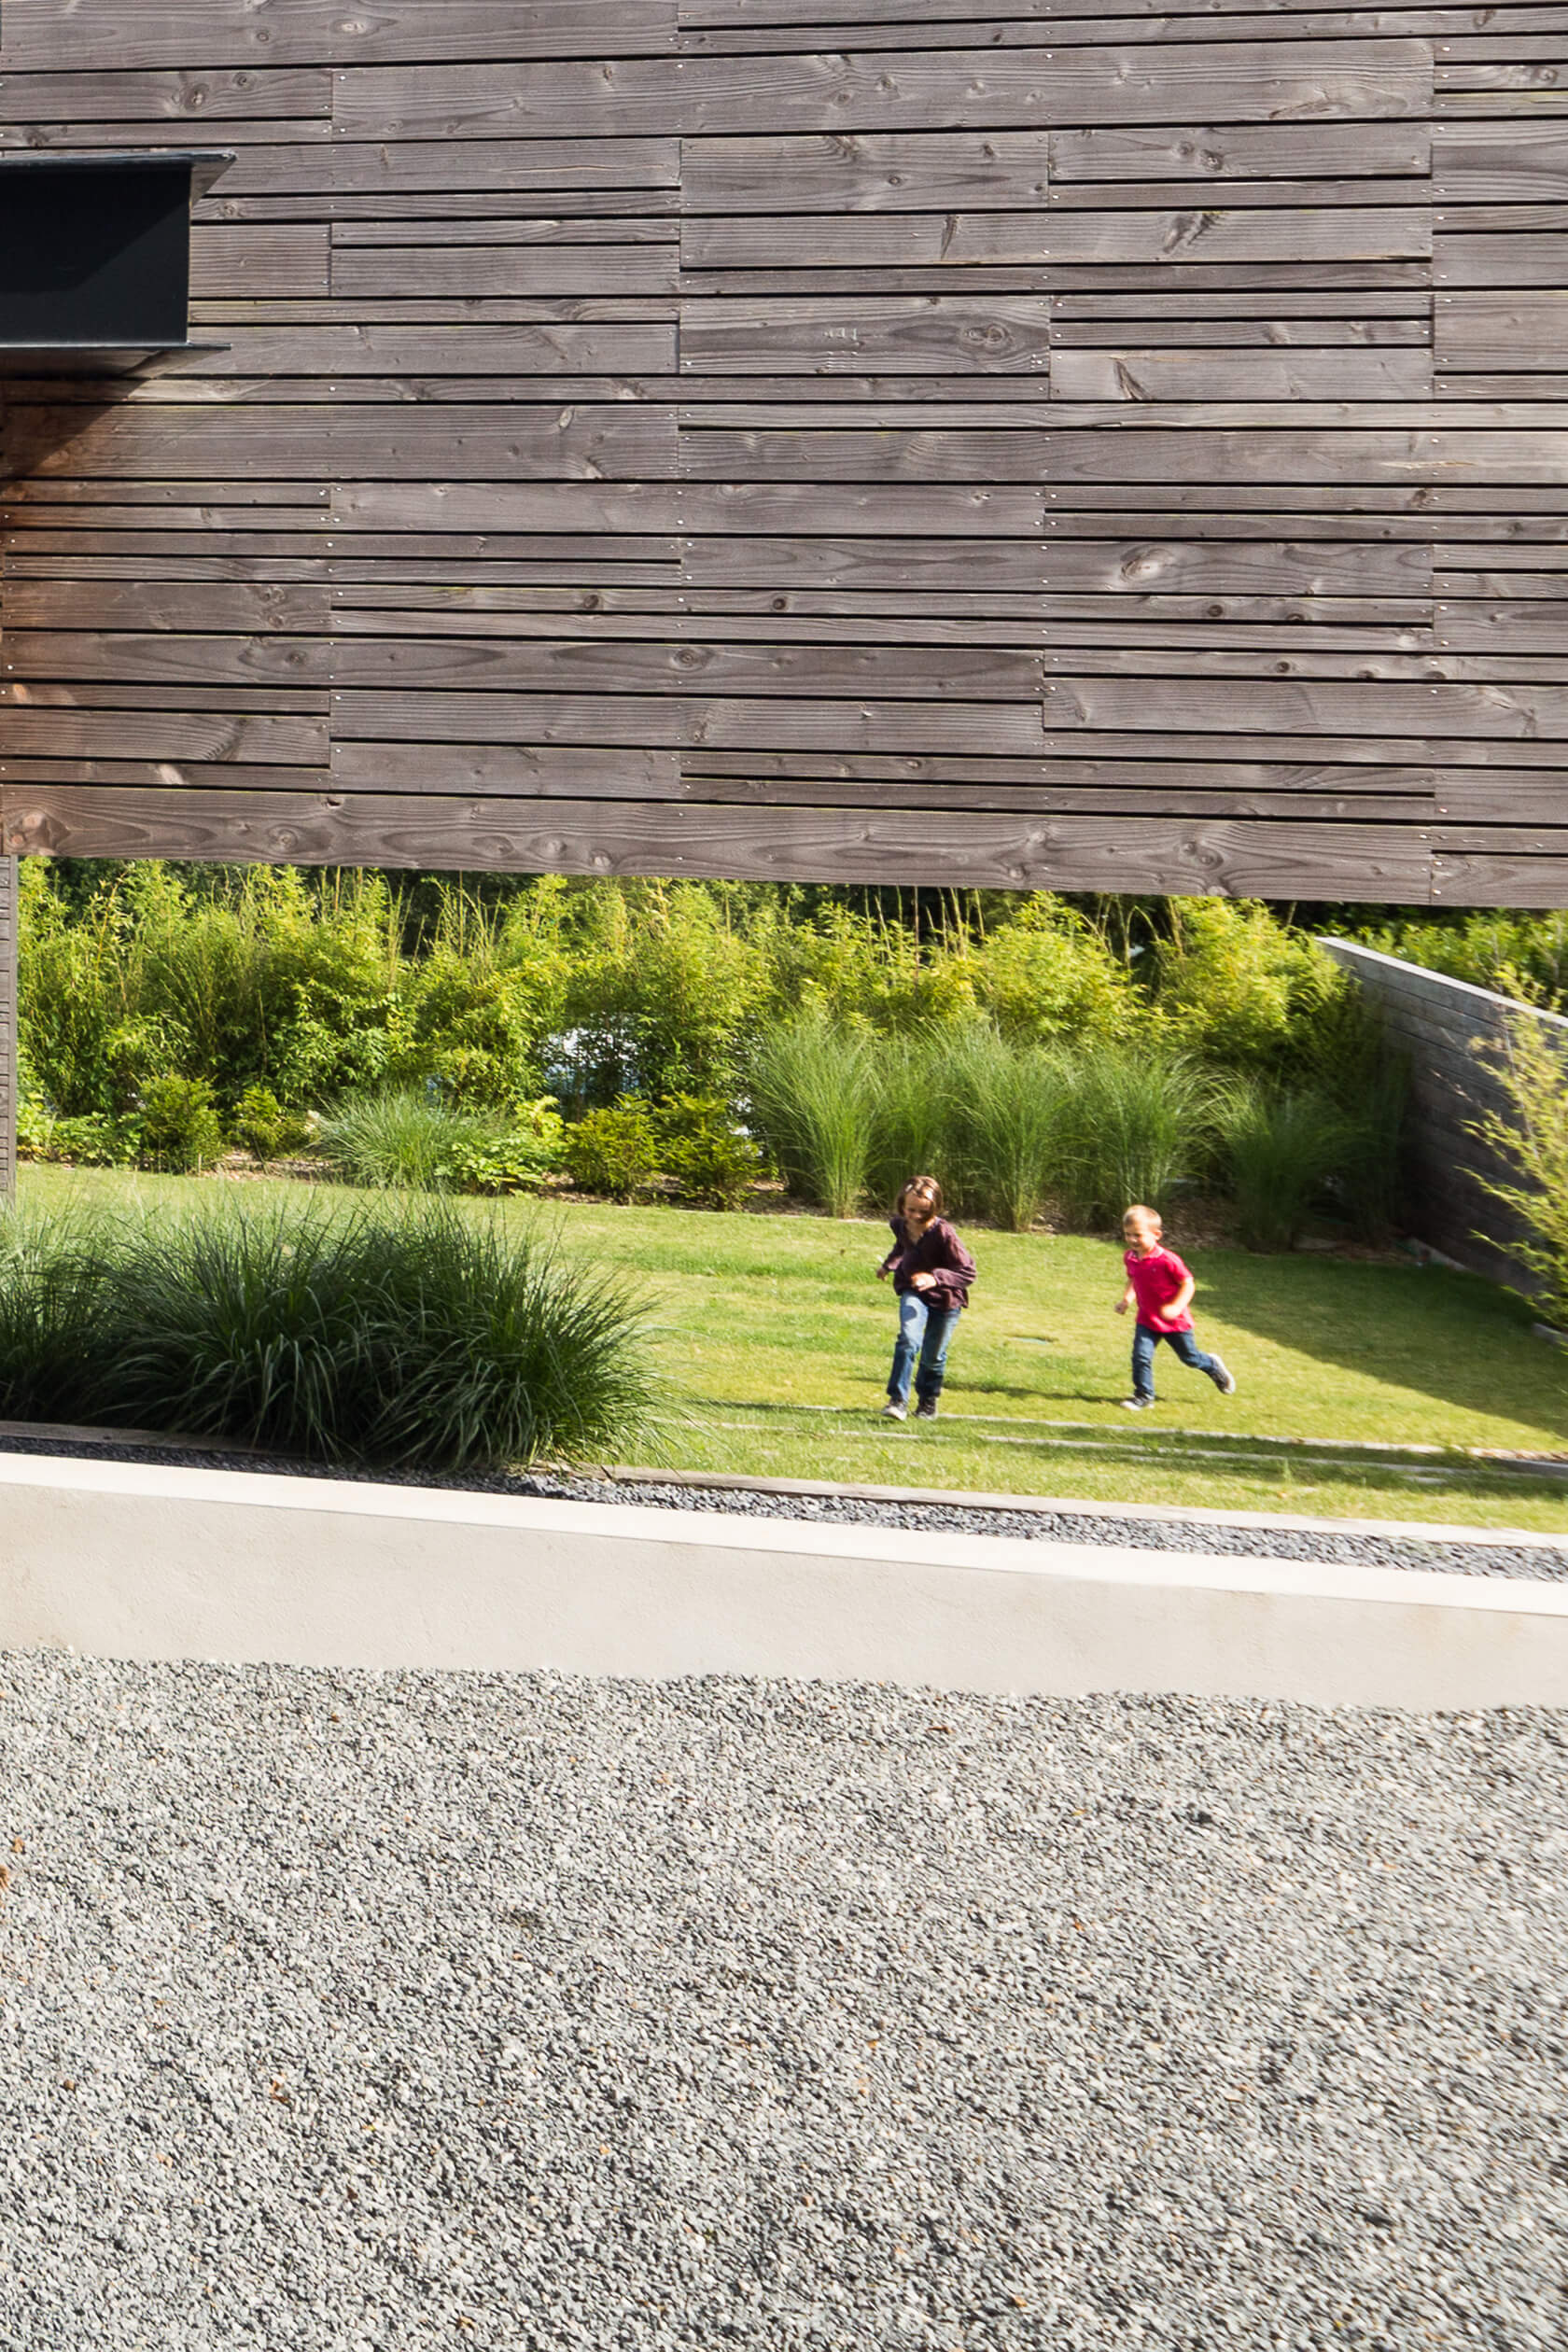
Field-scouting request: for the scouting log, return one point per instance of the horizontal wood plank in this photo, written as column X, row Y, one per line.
column 248, row 738
column 1221, row 153
column 178, row 99
column 403, row 273
column 928, row 90
column 1380, row 708
column 1209, row 234
column 867, row 172
column 46, row 35
column 418, row 831
column 316, row 443
column 1344, row 373
column 662, row 721
column 930, row 334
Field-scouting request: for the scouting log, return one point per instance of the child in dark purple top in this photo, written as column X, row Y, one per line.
column 1159, row 1290
column 932, row 1273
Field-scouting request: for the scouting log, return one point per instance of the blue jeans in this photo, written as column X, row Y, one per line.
column 925, row 1334
column 1145, row 1341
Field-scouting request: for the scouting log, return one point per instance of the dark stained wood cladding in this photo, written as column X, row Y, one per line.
column 947, row 440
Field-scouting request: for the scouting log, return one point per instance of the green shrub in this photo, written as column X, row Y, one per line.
column 261, row 1127
column 1049, row 974
column 814, row 1089
column 180, row 1129
column 92, row 1140
column 1235, row 983
column 1530, row 1136
column 1280, row 1151
column 614, row 1152
column 1515, row 954
column 420, row 1340
column 517, row 1160
column 1135, row 1126
column 1007, row 1105
column 712, row 1159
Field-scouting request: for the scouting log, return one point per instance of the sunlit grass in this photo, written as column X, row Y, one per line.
column 776, row 1337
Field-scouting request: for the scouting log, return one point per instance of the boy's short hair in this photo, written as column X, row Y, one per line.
column 1141, row 1209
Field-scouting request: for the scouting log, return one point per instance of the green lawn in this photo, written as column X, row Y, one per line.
column 777, row 1338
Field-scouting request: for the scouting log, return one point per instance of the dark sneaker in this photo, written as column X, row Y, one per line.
column 893, row 1410
column 926, row 1409
column 1224, row 1381
column 1138, row 1404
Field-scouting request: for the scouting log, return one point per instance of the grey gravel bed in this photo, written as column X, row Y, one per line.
column 344, row 2011
column 1476, row 1557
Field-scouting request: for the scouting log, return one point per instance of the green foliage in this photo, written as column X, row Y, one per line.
column 180, row 1129
column 844, row 1025
column 1049, row 974
column 94, row 1140
column 913, row 1129
column 517, row 1161
column 1136, row 1125
column 814, row 1089
column 1235, row 983
column 1008, row 1105
column 53, row 1322
column 710, row 1156
column 472, row 1032
column 261, row 1127
column 417, row 1340
column 406, row 1140
column 1530, row 1136
column 613, row 1151
column 1517, row 955
column 661, row 990
column 1281, row 1148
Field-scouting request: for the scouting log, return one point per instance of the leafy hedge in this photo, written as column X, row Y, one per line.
column 629, row 1032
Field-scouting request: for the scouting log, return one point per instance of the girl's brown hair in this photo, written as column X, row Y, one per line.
column 927, row 1184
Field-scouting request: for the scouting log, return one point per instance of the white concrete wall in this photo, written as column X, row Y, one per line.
column 118, row 1559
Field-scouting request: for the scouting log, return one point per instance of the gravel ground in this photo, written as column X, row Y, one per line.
column 360, row 2011
column 1546, row 1561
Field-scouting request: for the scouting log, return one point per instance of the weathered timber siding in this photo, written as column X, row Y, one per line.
column 7, row 1026
column 922, row 440
column 1450, row 1030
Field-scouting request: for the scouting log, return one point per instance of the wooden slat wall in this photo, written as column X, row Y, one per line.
column 971, row 441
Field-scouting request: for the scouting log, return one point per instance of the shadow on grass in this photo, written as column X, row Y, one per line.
column 1452, row 1336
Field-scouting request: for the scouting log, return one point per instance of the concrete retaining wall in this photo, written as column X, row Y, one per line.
column 127, row 1561
column 1437, row 1022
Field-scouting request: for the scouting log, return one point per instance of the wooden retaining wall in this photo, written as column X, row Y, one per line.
column 1449, row 1029
column 996, row 442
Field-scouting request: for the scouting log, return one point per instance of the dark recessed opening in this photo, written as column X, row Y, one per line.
column 95, row 251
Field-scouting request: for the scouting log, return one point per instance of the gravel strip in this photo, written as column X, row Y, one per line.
column 1544, row 1563
column 363, row 2012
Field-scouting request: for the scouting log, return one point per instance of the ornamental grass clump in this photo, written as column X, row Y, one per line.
column 419, row 1339
column 814, row 1090
column 912, row 1123
column 1281, row 1150
column 1008, row 1102
column 402, row 1141
column 1137, row 1123
column 53, row 1319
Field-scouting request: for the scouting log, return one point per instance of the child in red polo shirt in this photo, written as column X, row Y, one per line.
column 1159, row 1286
